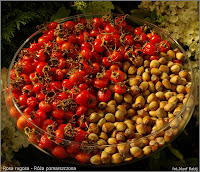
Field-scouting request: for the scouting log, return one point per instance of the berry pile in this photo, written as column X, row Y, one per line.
column 74, row 68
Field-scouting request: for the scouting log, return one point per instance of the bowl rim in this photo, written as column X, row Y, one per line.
column 95, row 145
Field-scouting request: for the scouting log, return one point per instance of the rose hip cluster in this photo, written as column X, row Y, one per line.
column 67, row 72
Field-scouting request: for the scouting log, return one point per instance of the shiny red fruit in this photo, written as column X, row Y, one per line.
column 59, row 152
column 150, row 49
column 104, row 96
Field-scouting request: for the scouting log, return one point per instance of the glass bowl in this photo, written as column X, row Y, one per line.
column 121, row 153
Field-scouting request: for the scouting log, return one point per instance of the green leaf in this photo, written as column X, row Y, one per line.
column 137, row 15
column 153, row 14
column 148, row 19
column 166, row 7
column 9, row 4
column 161, row 18
column 25, row 17
column 176, row 152
column 8, row 32
column 184, row 130
column 137, row 22
column 61, row 13
column 18, row 24
column 93, row 6
column 118, row 8
column 10, row 15
column 141, row 12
